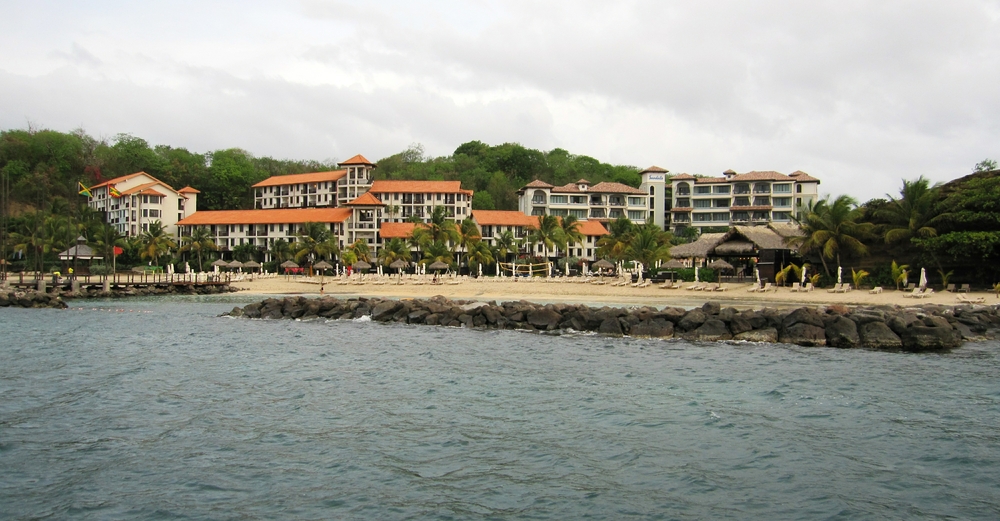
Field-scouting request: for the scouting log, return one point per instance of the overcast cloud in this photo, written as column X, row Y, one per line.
column 860, row 94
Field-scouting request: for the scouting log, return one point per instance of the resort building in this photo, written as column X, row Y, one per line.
column 231, row 228
column 494, row 223
column 602, row 201
column 405, row 199
column 132, row 202
column 316, row 189
column 746, row 248
column 753, row 198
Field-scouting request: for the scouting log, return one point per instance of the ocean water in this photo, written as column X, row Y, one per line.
column 159, row 409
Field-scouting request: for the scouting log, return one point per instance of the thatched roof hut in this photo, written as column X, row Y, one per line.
column 698, row 249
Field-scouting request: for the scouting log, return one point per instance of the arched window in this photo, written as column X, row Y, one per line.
column 538, row 197
column 652, row 190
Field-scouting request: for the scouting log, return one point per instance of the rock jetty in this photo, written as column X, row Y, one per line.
column 30, row 299
column 928, row 328
column 94, row 291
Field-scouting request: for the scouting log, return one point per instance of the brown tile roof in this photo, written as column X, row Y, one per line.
column 604, row 187
column 768, row 175
column 122, row 179
column 384, row 186
column 366, row 199
column 150, row 191
column 582, row 181
column 730, row 172
column 708, row 180
column 294, row 179
column 357, row 160
column 188, row 190
column 396, row 230
column 538, row 184
column 656, row 170
column 682, row 176
column 275, row 216
column 503, row 218
column 802, row 177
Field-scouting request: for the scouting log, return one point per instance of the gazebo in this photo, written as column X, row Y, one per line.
column 80, row 251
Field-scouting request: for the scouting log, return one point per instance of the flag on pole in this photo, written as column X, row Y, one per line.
column 113, row 192
column 84, row 190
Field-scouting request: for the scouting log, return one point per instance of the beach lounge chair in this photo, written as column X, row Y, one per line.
column 951, row 288
column 964, row 288
column 971, row 300
column 876, row 290
column 915, row 293
column 926, row 293
column 753, row 288
column 911, row 286
column 766, row 288
column 835, row 289
column 844, row 288
column 711, row 287
column 809, row 287
column 796, row 286
column 722, row 287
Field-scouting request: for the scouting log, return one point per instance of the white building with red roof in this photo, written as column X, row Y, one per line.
column 584, row 200
column 759, row 197
column 316, row 189
column 405, row 199
column 132, row 202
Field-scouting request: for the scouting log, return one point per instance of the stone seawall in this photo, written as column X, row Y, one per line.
column 30, row 299
column 926, row 328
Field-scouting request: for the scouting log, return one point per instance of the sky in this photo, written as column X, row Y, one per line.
column 860, row 94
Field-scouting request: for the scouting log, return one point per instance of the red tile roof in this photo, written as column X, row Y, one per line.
column 615, row 188
column 503, row 218
column 396, row 230
column 122, row 179
column 294, row 179
column 655, row 169
column 707, row 180
column 582, row 181
column 150, row 191
column 366, row 199
column 275, row 216
column 145, row 189
column 592, row 228
column 384, row 186
column 538, row 184
column 188, row 190
column 682, row 176
column 357, row 160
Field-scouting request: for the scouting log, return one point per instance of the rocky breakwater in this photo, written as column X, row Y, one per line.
column 30, row 299
column 94, row 291
column 929, row 328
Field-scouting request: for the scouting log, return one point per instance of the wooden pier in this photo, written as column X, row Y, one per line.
column 122, row 280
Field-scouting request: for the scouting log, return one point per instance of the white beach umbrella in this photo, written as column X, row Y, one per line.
column 696, row 274
column 840, row 271
column 480, row 270
column 803, row 275
column 756, row 275
column 187, row 267
column 923, row 277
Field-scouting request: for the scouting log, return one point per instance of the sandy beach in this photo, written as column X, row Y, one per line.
column 537, row 290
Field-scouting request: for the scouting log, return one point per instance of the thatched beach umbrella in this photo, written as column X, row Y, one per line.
column 220, row 263
column 437, row 266
column 673, row 264
column 361, row 265
column 251, row 264
column 287, row 265
column 322, row 265
column 234, row 265
column 602, row 265
column 720, row 265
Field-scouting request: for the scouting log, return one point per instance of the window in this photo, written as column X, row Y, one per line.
column 720, row 189
column 683, row 189
column 578, row 199
column 798, row 189
column 180, row 204
column 720, row 203
column 683, row 202
column 636, row 215
column 702, row 217
column 781, row 216
column 579, row 214
column 537, row 211
column 724, row 216
column 703, row 203
column 798, row 201
column 782, row 188
column 557, row 199
column 703, row 189
column 652, row 190
column 742, row 201
column 145, row 213
column 559, row 212
column 761, row 201
column 782, row 201
column 635, row 201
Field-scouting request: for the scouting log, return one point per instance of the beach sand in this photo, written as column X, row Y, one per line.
column 536, row 290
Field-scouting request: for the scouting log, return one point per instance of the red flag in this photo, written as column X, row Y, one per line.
column 118, row 251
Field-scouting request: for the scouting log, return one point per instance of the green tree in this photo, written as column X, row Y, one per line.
column 394, row 249
column 913, row 214
column 616, row 243
column 506, row 244
column 985, row 165
column 198, row 243
column 832, row 228
column 281, row 250
column 649, row 244
column 361, row 250
column 548, row 233
column 466, row 233
column 569, row 235
column 245, row 252
column 479, row 253
column 155, row 242
column 310, row 242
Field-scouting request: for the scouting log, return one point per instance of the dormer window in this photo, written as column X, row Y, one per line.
column 582, row 188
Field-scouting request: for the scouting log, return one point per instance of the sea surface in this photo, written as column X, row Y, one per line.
column 160, row 409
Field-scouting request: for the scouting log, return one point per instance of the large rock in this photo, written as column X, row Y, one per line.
column 712, row 330
column 767, row 335
column 655, row 327
column 692, row 319
column 878, row 335
column 610, row 326
column 711, row 308
column 740, row 324
column 544, row 318
column 899, row 322
column 924, row 338
column 802, row 316
column 803, row 334
column 842, row 332
column 383, row 311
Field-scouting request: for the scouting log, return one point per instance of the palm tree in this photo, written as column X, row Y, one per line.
column 245, row 252
column 440, row 228
column 649, row 244
column 437, row 251
column 155, row 242
column 419, row 238
column 361, row 250
column 29, row 239
column 912, row 215
column 198, row 242
column 479, row 253
column 832, row 228
column 615, row 245
column 310, row 244
column 548, row 233
column 395, row 249
column 506, row 243
column 280, row 250
column 570, row 235
column 467, row 232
